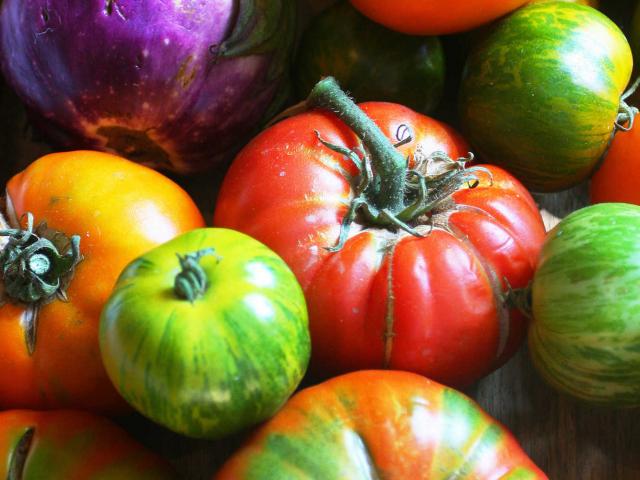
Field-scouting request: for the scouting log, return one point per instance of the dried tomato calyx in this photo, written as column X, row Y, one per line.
column 33, row 269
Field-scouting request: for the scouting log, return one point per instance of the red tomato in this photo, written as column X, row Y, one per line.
column 435, row 17
column 72, row 445
column 119, row 210
column 618, row 178
column 433, row 305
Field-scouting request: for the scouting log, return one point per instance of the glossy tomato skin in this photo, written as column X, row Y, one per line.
column 397, row 423
column 585, row 331
column 540, row 94
column 434, row 17
column 617, row 179
column 221, row 363
column 432, row 305
column 119, row 210
column 369, row 61
column 74, row 445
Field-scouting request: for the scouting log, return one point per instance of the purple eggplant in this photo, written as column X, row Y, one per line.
column 174, row 84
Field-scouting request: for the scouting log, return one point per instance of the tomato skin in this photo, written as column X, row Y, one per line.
column 369, row 61
column 398, row 423
column 585, row 332
column 298, row 196
column 618, row 177
column 433, row 17
column 540, row 94
column 120, row 210
column 74, row 445
column 221, row 363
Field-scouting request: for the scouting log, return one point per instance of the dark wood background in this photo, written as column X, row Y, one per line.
column 568, row 440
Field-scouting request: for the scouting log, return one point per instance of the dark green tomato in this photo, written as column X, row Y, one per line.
column 541, row 92
column 370, row 61
column 219, row 349
column 585, row 335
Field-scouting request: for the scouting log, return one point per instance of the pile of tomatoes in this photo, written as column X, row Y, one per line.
column 371, row 252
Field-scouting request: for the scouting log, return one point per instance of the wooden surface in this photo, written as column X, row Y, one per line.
column 569, row 441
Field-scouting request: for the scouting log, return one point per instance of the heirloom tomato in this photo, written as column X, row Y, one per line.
column 404, row 265
column 370, row 61
column 210, row 342
column 72, row 445
column 618, row 178
column 75, row 219
column 585, row 334
column 381, row 424
column 434, row 17
column 541, row 93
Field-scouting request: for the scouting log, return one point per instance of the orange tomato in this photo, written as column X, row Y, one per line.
column 618, row 177
column 119, row 210
column 434, row 17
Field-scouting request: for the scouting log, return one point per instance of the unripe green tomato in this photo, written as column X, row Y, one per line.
column 541, row 92
column 585, row 335
column 206, row 334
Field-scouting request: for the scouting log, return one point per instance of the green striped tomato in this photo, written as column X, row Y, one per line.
column 585, row 334
column 381, row 424
column 221, row 354
column 541, row 92
column 72, row 445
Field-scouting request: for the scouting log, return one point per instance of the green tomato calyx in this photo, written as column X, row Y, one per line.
column 191, row 283
column 390, row 192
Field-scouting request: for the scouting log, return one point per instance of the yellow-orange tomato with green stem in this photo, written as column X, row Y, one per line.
column 101, row 211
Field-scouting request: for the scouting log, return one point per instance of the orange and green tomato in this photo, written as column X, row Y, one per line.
column 370, row 61
column 119, row 210
column 381, row 424
column 541, row 92
column 72, row 445
column 208, row 343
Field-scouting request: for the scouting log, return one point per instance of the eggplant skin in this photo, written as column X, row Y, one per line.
column 173, row 84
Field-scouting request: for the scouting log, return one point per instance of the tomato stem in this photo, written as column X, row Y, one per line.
column 191, row 283
column 389, row 164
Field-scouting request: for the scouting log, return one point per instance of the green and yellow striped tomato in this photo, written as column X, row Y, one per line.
column 585, row 334
column 541, row 92
column 72, row 445
column 381, row 424
column 206, row 334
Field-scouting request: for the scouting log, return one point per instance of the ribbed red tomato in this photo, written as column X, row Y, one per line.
column 434, row 303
